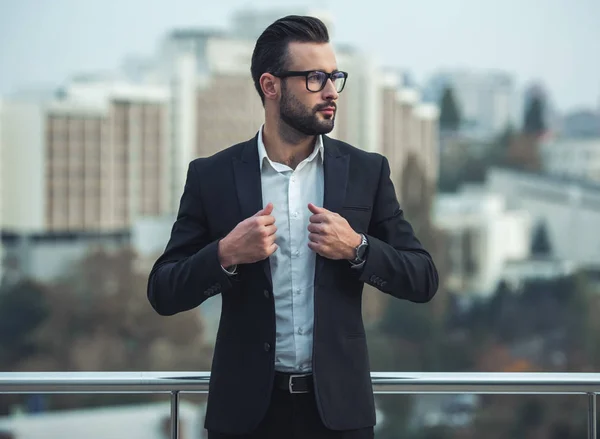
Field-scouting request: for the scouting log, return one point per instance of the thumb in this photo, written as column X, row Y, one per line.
column 315, row 209
column 268, row 209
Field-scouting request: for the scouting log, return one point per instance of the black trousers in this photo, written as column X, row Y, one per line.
column 295, row 416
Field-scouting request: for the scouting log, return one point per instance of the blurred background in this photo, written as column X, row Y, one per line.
column 488, row 111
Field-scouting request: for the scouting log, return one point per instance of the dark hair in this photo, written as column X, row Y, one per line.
column 271, row 50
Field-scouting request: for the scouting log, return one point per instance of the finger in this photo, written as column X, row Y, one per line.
column 267, row 210
column 265, row 220
column 270, row 230
column 272, row 249
column 314, row 237
column 315, row 247
column 318, row 218
column 316, row 228
column 316, row 209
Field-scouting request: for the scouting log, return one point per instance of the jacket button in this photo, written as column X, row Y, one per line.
column 266, row 293
column 267, row 347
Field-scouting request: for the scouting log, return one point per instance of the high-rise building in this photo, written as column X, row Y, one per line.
column 408, row 131
column 91, row 161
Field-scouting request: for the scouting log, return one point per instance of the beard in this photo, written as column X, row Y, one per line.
column 305, row 120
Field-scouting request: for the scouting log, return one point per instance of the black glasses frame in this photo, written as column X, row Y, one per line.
column 307, row 73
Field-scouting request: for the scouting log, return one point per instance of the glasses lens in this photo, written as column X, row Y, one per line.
column 315, row 81
column 339, row 80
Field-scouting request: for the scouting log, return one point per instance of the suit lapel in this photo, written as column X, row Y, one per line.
column 335, row 169
column 246, row 170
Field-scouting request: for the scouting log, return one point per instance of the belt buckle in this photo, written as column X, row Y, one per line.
column 290, row 382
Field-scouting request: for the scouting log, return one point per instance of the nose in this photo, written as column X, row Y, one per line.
column 329, row 91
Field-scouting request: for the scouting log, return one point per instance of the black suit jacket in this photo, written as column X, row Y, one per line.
column 223, row 190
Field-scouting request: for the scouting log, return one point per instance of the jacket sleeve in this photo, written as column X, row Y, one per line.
column 188, row 272
column 396, row 262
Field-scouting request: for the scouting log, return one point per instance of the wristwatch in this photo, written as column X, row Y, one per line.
column 360, row 251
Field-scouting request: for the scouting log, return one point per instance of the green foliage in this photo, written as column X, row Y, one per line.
column 540, row 243
column 449, row 112
column 96, row 318
column 23, row 307
column 559, row 313
column 533, row 120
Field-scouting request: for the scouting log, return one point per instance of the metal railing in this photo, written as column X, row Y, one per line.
column 176, row 383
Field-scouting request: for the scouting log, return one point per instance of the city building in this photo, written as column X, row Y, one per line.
column 408, row 129
column 576, row 157
column 487, row 100
column 484, row 233
column 569, row 210
column 79, row 170
column 89, row 162
column 580, row 124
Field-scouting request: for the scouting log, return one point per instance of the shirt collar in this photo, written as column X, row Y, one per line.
column 262, row 151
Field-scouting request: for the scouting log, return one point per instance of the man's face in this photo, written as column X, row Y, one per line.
column 310, row 113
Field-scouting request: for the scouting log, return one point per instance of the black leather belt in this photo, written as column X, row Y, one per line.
column 294, row 383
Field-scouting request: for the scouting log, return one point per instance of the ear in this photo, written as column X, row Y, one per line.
column 270, row 85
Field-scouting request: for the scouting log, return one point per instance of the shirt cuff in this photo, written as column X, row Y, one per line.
column 230, row 271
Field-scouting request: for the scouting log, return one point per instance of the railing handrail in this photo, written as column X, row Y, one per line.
column 383, row 382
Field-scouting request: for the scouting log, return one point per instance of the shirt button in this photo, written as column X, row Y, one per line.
column 295, row 214
column 293, row 179
column 298, row 290
column 297, row 253
column 300, row 331
column 267, row 347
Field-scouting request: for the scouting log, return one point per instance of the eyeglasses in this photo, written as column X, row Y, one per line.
column 316, row 79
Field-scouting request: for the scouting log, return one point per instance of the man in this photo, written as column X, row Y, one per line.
column 287, row 227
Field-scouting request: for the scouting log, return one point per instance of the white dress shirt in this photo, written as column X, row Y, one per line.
column 293, row 264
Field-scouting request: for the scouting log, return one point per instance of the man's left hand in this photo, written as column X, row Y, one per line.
column 330, row 235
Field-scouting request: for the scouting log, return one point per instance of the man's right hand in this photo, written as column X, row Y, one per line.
column 250, row 241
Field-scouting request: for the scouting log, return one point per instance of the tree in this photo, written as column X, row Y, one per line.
column 540, row 243
column 449, row 111
column 23, row 308
column 533, row 121
column 97, row 318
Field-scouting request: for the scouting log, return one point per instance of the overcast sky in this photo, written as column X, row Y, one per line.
column 554, row 41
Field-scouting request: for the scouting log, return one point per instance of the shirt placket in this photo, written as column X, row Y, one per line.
column 295, row 210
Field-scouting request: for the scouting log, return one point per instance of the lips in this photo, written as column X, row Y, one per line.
column 328, row 110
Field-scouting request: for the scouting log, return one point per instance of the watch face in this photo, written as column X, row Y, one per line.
column 360, row 252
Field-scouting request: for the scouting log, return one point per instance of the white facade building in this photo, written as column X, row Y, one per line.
column 569, row 209
column 48, row 146
column 572, row 157
column 484, row 234
column 23, row 166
